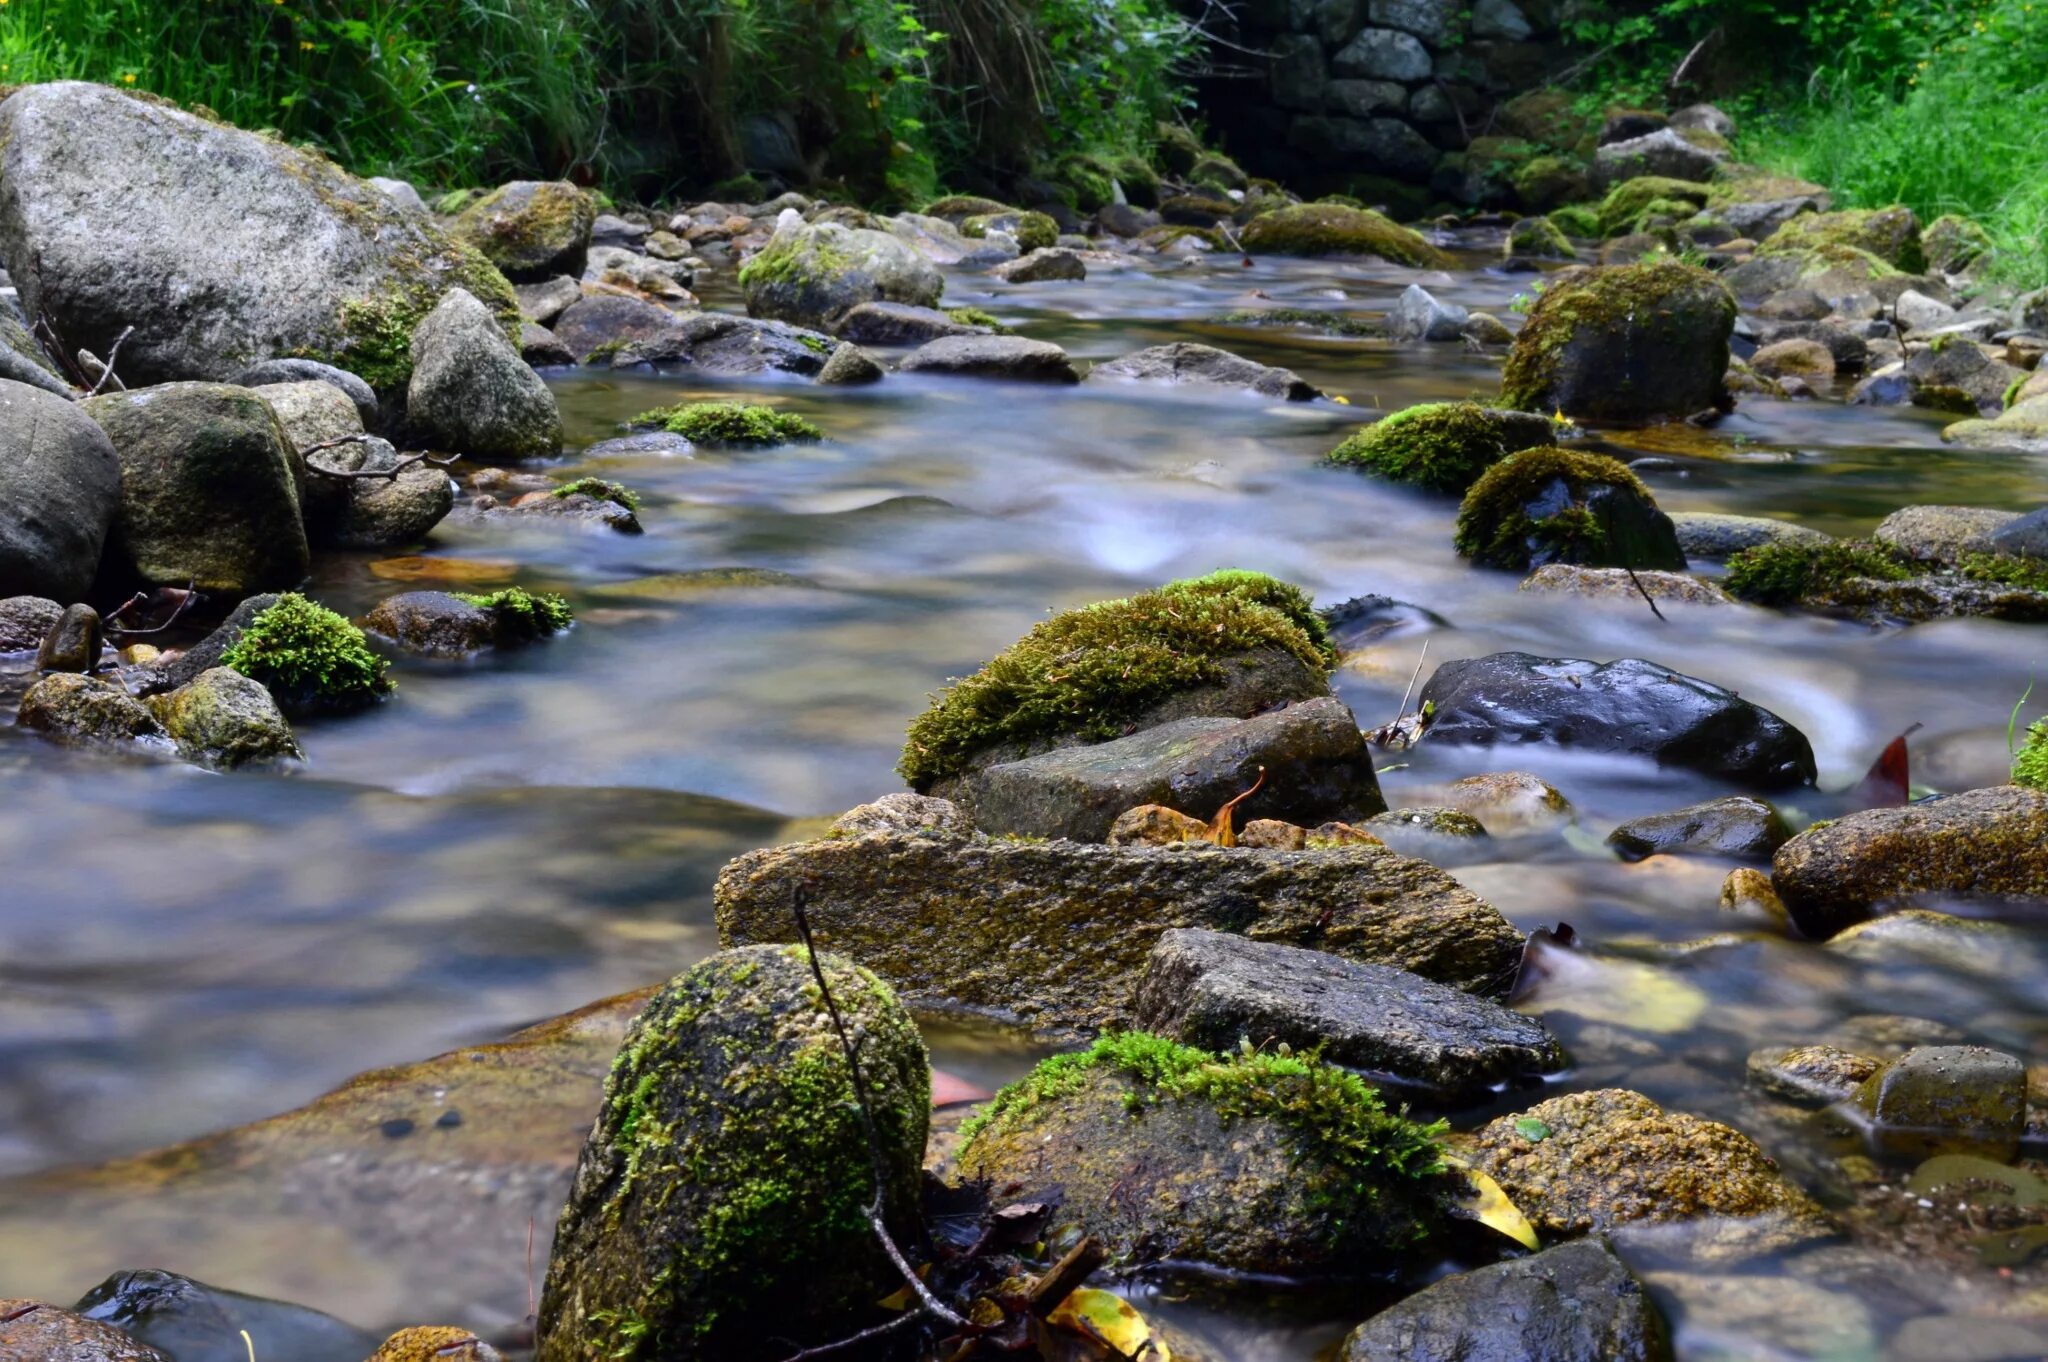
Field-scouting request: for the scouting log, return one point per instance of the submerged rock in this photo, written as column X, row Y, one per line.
column 1058, row 933
column 1205, row 366
column 60, row 484
column 1005, row 357
column 1621, row 584
column 472, row 393
column 886, row 323
column 223, row 719
column 1551, row 505
column 1948, row 1099
column 1810, row 1073
column 1739, row 827
column 194, row 1322
column 85, row 711
column 720, row 1201
column 442, row 624
column 1215, row 989
column 1630, row 706
column 1637, row 343
column 719, row 343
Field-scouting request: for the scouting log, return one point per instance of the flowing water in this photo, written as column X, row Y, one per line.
column 513, row 837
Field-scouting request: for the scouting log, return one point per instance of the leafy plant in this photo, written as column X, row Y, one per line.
column 309, row 658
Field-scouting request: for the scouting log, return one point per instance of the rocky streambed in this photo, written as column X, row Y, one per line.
column 1714, row 1099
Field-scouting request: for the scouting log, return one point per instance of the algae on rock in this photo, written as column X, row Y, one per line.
column 1442, row 446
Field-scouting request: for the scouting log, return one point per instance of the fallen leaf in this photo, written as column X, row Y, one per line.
column 1888, row 784
column 417, row 567
column 1489, row 1205
column 1110, row 1322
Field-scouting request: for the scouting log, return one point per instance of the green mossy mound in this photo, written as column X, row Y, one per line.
column 1955, row 245
column 1791, row 573
column 2005, row 570
column 309, row 658
column 1546, row 182
column 731, row 424
column 1629, row 202
column 1442, row 446
column 520, row 615
column 1552, row 505
column 1091, row 672
column 975, row 316
column 600, row 489
column 1538, row 238
column 1031, row 230
column 1576, row 219
column 1892, row 235
column 955, row 207
column 2030, row 763
column 1259, row 1162
column 1330, row 229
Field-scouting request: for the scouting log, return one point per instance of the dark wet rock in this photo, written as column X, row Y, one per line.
column 1213, row 989
column 25, row 621
column 916, row 814
column 72, row 643
column 851, row 366
column 194, row 1322
column 433, row 622
column 1047, row 264
column 720, row 343
column 209, row 488
column 1637, row 343
column 1057, row 933
column 1817, row 1074
column 223, row 719
column 1315, row 761
column 1948, row 1099
column 1554, row 505
column 1005, row 357
column 541, row 350
column 85, row 711
column 1664, row 153
column 1207, row 366
column 814, row 273
column 531, row 229
column 541, row 303
column 471, row 392
column 60, row 482
column 1630, row 706
column 884, row 323
column 720, row 1199
column 185, row 667
column 1573, row 1303
column 275, row 371
column 1849, row 351
column 1367, row 619
column 1739, row 827
column 1610, row 1158
column 1418, row 315
column 31, row 1331
column 1172, row 1153
column 1942, row 534
column 1988, row 843
column 1619, row 584
column 604, row 322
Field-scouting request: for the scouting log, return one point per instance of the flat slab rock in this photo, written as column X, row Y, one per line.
column 1206, row 366
column 1317, row 766
column 1210, row 989
column 1057, row 934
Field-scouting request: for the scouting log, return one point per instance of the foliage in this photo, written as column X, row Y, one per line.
column 308, row 656
column 731, row 423
column 522, row 613
column 1786, row 574
column 2030, row 763
column 2001, row 569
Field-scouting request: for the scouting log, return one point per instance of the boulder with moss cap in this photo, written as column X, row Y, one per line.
column 1554, row 505
column 1638, row 343
column 721, row 1198
column 814, row 273
column 532, row 230
column 1333, row 229
column 312, row 660
column 223, row 719
column 1443, row 446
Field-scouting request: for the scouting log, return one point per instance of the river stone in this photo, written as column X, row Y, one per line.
column 73, row 642
column 1630, row 344
column 1705, row 534
column 1213, row 989
column 884, row 323
column 608, row 321
column 1739, row 827
column 1664, row 153
column 1317, row 768
column 434, row 623
column 1418, row 315
column 1948, row 1099
column 1969, row 1338
column 2026, row 537
column 1005, row 357
column 814, row 273
column 1554, row 505
column 220, row 247
column 916, row 814
column 1810, row 1073
column 1573, row 1303
column 31, row 1331
column 1206, row 366
column 183, row 668
column 1620, row 584
column 719, row 1201
column 22, row 359
column 1630, row 706
column 1757, row 1316
column 850, row 366
column 539, row 348
column 209, row 487
column 271, row 372
column 1942, row 534
column 720, row 343
column 311, row 413
column 1988, row 843
column 1507, row 802
column 1430, row 832
column 1611, row 1158
column 377, row 513
column 1960, row 377
column 1047, row 264
column 471, row 393
column 25, row 621
column 531, row 230
column 194, row 1322
column 223, row 719
column 1057, row 933
column 541, row 303
column 86, row 711
column 60, row 482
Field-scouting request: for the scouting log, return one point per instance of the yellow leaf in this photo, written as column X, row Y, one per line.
column 1109, row 1320
column 1489, row 1205
column 1340, row 400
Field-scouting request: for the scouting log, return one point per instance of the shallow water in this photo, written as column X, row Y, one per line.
column 514, row 837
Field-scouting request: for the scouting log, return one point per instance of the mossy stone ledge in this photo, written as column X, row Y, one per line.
column 1442, row 446
column 1556, row 505
column 1316, row 229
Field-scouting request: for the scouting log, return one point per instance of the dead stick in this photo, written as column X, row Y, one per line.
column 1068, row 1273
column 107, row 365
column 1646, row 593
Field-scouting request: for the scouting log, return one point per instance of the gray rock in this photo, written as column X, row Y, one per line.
column 1365, row 98
column 1501, row 20
column 850, row 366
column 1206, row 365
column 220, row 247
column 1383, row 54
column 609, row 229
column 663, row 442
column 400, row 192
column 1917, row 312
column 1738, row 827
column 277, row 371
column 1959, row 376
column 1810, row 1073
column 209, row 488
column 1045, row 265
column 472, row 393
column 904, row 812
column 1006, row 357
column 2025, row 537
column 1664, row 153
column 607, row 321
column 1429, row 20
column 21, row 357
column 1707, row 118
column 186, row 667
column 25, row 621
column 1628, row 707
column 1942, row 534
column 60, row 483
column 814, row 273
column 1573, row 1303
column 223, row 719
column 542, row 302
column 1758, row 220
column 541, row 350
column 1215, row 989
column 86, row 711
column 721, row 343
column 394, row 513
column 1417, row 315
column 1948, row 1099
column 899, row 324
column 531, row 229
column 1056, row 934
column 1433, row 833
column 73, row 642
column 1967, row 1338
column 312, row 412
column 1316, row 762
column 432, row 622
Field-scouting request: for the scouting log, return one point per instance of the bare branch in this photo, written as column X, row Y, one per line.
column 1063, row 1277
column 866, row 1335
column 1646, row 592
column 107, row 365
column 383, row 474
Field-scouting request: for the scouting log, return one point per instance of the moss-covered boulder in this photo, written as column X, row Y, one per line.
column 1543, row 183
column 1988, row 843
column 219, row 247
column 1598, row 1161
column 813, row 273
column 1555, row 505
column 310, row 659
column 1638, row 343
column 209, row 488
column 1955, row 245
column 85, row 711
column 531, row 230
column 1624, row 206
column 1229, row 644
column 1255, row 1162
column 223, row 719
column 472, row 392
column 1442, row 446
column 1537, row 238
column 1890, row 234
column 720, row 1205
column 1332, row 229
column 1031, row 231
column 1948, row 1099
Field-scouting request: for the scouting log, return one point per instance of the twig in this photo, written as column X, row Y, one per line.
column 1646, row 593
column 111, row 623
column 1064, row 1276
column 385, row 474
column 1413, row 677
column 107, row 364
column 865, row 1335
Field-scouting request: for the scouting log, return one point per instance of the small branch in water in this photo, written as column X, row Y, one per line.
column 1061, row 1280
column 866, row 1335
column 1413, row 677
column 1646, row 592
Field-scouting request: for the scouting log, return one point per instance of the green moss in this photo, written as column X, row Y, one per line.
column 1495, row 530
column 1327, row 229
column 1954, row 244
column 1213, row 170
column 308, row 657
column 2030, row 763
column 1626, row 203
column 795, row 258
column 376, row 329
column 1175, row 148
column 1576, row 219
column 1031, row 230
column 522, row 614
column 1612, row 299
column 1892, row 235
column 974, row 316
column 554, row 217
column 1441, row 446
column 731, row 424
column 1333, row 323
column 2030, row 574
column 745, row 189
column 454, row 201
column 600, row 489
column 956, row 206
column 1261, row 589
column 1091, row 671
column 1538, row 238
column 1087, row 181
column 1786, row 574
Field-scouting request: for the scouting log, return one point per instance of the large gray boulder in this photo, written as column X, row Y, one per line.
column 218, row 246
column 1012, row 358
column 1665, row 153
column 471, row 392
column 1205, row 366
column 814, row 273
column 60, row 482
column 209, row 488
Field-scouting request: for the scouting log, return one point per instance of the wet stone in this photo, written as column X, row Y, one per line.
column 1948, row 1099
column 194, row 1322
column 73, row 642
column 1818, row 1074
column 1739, row 827
column 35, row 1332
column 25, row 621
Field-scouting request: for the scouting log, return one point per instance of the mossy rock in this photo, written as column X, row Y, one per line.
column 812, row 274
column 1261, row 1162
column 719, row 1207
column 1139, row 180
column 1316, row 229
column 1576, row 219
column 1633, row 344
column 1175, row 148
column 1955, row 245
column 731, row 425
column 85, row 711
column 1733, row 184
column 1032, row 231
column 226, row 720
column 1088, row 182
column 1784, row 574
column 1552, row 505
column 2030, row 763
column 1218, row 173
column 1890, row 234
column 1442, row 446
column 310, row 659
column 1205, row 646
column 1546, row 182
column 1537, row 238
column 1625, row 204
column 531, row 230
column 955, row 208
column 1196, row 210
